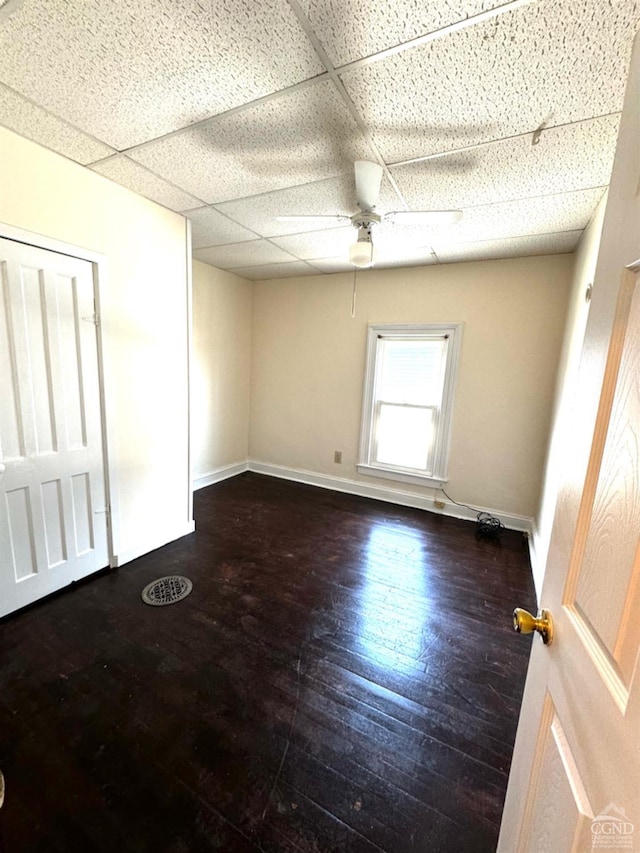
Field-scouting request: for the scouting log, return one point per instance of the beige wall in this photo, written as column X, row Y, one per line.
column 221, row 369
column 144, row 300
column 559, row 436
column 619, row 247
column 308, row 363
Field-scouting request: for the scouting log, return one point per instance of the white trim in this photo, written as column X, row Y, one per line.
column 189, row 297
column 219, row 474
column 453, row 332
column 381, row 493
column 151, row 545
column 50, row 243
column 414, row 479
column 537, row 570
column 107, row 410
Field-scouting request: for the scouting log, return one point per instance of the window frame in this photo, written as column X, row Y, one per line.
column 408, row 331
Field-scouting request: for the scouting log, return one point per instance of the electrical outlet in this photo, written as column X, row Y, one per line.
column 337, row 456
column 438, row 504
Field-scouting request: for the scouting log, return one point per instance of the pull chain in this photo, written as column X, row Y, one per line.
column 353, row 297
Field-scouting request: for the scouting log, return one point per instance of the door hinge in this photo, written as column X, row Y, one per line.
column 105, row 511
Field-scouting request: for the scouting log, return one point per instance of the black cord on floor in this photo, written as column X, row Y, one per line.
column 487, row 525
column 472, row 508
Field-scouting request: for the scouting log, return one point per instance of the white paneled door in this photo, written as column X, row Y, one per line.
column 575, row 778
column 53, row 520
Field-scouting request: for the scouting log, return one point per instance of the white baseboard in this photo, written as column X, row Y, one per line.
column 537, row 570
column 218, row 474
column 382, row 493
column 140, row 550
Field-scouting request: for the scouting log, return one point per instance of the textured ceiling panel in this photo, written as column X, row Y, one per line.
column 210, row 228
column 298, row 138
column 410, row 257
column 243, row 147
column 390, row 241
column 37, row 124
column 269, row 271
column 253, row 253
column 351, row 29
column 322, row 198
column 573, row 157
column 554, row 60
column 330, row 265
column 384, row 258
column 135, row 177
column 541, row 244
column 396, row 238
column 127, row 72
column 318, row 244
column 545, row 215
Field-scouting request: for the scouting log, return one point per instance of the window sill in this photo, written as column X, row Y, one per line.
column 401, row 476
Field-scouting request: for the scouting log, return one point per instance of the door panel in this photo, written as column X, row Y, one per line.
column 53, row 525
column 605, row 600
column 582, row 770
column 558, row 813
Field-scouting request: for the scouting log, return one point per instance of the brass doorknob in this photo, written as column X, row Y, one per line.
column 525, row 623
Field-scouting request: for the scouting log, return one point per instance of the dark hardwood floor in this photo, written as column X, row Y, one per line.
column 344, row 676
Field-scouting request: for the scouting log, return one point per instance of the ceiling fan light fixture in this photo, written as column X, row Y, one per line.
column 361, row 252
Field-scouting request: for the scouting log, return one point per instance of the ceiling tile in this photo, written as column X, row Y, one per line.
column 298, row 138
column 407, row 257
column 389, row 237
column 553, row 60
column 269, row 271
column 539, row 244
column 329, row 265
column 135, row 177
column 321, row 198
column 41, row 126
column 390, row 241
column 233, row 255
column 385, row 257
column 568, row 158
column 127, row 72
column 545, row 215
column 210, row 228
column 318, row 244
column 351, row 29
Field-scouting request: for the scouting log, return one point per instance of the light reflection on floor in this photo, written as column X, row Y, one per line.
column 392, row 623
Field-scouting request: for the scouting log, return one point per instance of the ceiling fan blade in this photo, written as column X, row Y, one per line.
column 338, row 217
column 368, row 180
column 423, row 217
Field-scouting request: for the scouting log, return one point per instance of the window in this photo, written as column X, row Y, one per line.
column 408, row 397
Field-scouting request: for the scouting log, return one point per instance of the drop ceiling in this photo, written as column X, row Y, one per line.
column 234, row 112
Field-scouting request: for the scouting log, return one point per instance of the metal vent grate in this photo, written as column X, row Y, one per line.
column 166, row 590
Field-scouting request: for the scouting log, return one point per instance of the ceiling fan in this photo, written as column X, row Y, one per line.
column 368, row 181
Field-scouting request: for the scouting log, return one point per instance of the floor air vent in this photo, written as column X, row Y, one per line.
column 166, row 590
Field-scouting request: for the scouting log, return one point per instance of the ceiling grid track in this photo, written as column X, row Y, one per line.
column 335, row 79
column 249, row 122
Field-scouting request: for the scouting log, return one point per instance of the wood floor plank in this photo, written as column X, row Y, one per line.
column 343, row 676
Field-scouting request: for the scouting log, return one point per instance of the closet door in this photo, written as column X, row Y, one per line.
column 53, row 519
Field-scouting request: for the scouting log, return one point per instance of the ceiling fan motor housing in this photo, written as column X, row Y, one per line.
column 365, row 219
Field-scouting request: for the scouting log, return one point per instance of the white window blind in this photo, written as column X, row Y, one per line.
column 412, row 371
